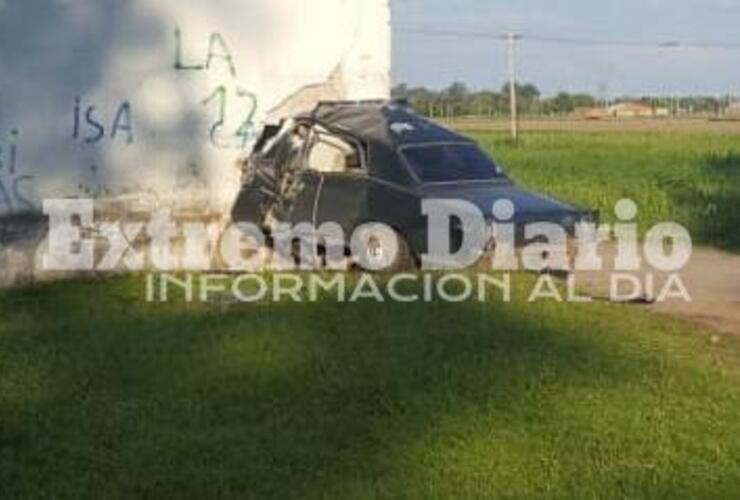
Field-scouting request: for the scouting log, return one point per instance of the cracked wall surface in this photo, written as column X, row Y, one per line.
column 155, row 102
column 143, row 105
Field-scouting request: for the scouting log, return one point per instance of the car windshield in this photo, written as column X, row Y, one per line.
column 451, row 163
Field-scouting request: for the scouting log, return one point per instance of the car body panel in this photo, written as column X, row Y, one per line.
column 528, row 206
column 281, row 186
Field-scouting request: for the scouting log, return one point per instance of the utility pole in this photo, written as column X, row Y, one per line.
column 512, row 39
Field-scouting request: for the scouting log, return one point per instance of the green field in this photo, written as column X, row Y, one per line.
column 693, row 179
column 105, row 396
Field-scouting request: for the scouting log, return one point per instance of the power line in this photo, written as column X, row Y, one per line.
column 584, row 42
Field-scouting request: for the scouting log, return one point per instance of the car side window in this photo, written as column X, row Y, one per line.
column 332, row 154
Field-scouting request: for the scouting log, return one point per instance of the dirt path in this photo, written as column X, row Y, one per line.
column 712, row 278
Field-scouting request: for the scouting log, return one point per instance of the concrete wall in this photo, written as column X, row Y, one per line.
column 153, row 102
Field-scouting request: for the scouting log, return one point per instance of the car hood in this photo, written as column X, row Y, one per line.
column 529, row 206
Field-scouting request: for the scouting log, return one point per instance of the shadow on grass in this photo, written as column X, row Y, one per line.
column 120, row 399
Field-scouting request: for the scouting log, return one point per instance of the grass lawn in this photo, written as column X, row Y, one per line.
column 693, row 179
column 105, row 396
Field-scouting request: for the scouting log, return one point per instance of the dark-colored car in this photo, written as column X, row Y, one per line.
column 357, row 162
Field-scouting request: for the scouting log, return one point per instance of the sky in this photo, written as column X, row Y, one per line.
column 609, row 71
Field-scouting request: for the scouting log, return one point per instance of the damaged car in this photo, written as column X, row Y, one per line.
column 354, row 163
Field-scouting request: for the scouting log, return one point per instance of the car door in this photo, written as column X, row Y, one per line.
column 344, row 184
column 277, row 187
column 258, row 193
column 298, row 194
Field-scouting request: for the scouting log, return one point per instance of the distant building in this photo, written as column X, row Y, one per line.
column 734, row 108
column 626, row 110
column 630, row 110
column 595, row 114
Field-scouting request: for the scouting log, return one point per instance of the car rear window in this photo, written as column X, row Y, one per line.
column 451, row 163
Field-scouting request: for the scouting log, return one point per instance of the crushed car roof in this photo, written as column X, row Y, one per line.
column 392, row 122
column 384, row 127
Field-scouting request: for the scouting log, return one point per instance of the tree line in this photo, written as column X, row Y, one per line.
column 460, row 100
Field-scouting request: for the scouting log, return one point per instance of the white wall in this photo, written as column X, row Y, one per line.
column 118, row 98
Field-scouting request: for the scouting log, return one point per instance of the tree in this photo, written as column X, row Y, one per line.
column 583, row 100
column 400, row 91
column 528, row 96
column 456, row 98
column 563, row 103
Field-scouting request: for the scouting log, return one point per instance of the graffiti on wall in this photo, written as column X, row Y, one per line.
column 15, row 186
column 93, row 122
column 220, row 99
column 89, row 127
column 227, row 99
column 218, row 51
